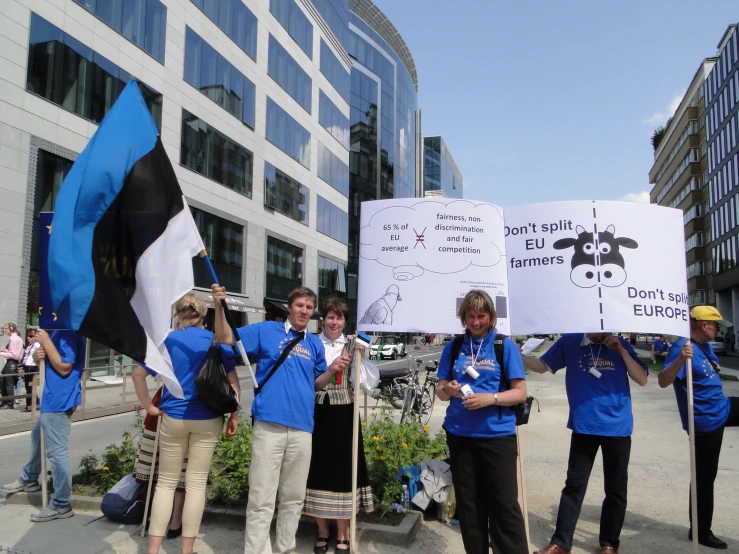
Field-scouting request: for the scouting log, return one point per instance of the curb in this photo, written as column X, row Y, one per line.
column 402, row 534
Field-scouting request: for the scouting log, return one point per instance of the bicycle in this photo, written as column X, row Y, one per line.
column 420, row 398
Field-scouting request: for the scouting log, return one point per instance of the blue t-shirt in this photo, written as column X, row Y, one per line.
column 63, row 393
column 490, row 421
column 288, row 398
column 187, row 349
column 660, row 346
column 597, row 406
column 711, row 407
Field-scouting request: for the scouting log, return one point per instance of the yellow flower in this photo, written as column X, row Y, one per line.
column 106, row 468
column 405, row 445
column 375, row 438
column 400, row 435
column 426, row 428
column 382, row 458
column 377, row 447
column 364, row 424
column 129, row 438
column 115, row 451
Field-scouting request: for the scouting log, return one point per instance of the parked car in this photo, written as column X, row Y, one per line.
column 388, row 347
column 718, row 346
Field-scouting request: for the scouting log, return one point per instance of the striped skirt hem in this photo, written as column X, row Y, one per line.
column 336, row 505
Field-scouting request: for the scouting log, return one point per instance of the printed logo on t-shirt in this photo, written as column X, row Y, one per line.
column 301, row 352
column 586, row 362
column 481, row 365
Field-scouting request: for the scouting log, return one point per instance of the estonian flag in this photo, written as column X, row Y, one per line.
column 123, row 239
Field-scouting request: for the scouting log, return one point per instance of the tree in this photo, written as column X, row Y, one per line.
column 659, row 134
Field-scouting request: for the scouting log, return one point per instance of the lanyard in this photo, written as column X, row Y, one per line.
column 472, row 352
column 595, row 359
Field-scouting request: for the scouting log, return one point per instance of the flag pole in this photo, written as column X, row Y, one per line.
column 229, row 319
column 693, row 473
column 44, row 485
column 355, row 451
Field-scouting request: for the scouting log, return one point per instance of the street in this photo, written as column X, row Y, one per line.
column 656, row 520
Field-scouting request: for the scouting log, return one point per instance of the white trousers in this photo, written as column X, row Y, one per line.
column 280, row 462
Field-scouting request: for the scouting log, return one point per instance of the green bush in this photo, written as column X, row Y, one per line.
column 229, row 470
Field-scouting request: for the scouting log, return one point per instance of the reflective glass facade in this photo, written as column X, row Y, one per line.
column 440, row 172
column 234, row 19
column 143, row 22
column 292, row 18
column 224, row 241
column 336, row 14
column 289, row 75
column 284, row 268
column 207, row 151
column 287, row 134
column 216, row 78
column 332, row 221
column 75, row 77
column 331, row 278
column 332, row 69
column 333, row 170
column 331, row 118
column 285, row 195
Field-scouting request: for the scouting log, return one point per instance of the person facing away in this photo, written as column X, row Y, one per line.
column 481, row 430
column 188, row 428
column 283, row 415
column 599, row 366
column 713, row 411
column 64, row 352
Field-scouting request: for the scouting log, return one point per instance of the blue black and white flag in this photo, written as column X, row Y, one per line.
column 123, row 239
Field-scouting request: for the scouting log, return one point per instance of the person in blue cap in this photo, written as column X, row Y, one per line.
column 713, row 411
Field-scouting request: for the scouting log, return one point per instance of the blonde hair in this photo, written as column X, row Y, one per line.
column 189, row 310
column 477, row 300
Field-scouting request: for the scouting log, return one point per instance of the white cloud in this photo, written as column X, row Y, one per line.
column 660, row 118
column 638, row 197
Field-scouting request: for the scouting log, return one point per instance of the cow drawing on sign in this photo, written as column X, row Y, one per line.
column 597, row 259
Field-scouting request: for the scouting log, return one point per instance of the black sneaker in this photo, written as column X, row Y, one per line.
column 709, row 539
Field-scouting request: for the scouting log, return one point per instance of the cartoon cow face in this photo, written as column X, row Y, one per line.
column 597, row 258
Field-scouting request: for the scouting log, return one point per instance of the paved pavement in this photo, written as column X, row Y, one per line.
column 656, row 520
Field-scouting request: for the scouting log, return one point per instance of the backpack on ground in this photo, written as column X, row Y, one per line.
column 123, row 503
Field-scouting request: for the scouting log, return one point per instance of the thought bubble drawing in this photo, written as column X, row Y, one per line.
column 433, row 236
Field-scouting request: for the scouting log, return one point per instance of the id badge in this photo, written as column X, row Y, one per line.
column 595, row 373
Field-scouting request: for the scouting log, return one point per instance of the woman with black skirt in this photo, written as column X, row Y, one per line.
column 329, row 490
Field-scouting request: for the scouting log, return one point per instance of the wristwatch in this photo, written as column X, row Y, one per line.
column 495, row 395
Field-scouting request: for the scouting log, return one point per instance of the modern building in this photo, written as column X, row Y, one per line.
column 721, row 91
column 441, row 176
column 678, row 176
column 252, row 99
column 385, row 135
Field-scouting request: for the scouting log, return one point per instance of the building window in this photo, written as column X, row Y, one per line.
column 332, row 170
column 224, row 241
column 234, row 19
column 285, row 195
column 332, row 69
column 331, row 118
column 143, row 22
column 73, row 76
column 289, row 75
column 331, row 278
column 284, row 269
column 216, row 78
column 332, row 221
column 295, row 22
column 211, row 153
column 287, row 134
column 336, row 14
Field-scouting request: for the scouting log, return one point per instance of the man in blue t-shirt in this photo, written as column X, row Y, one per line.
column 283, row 415
column 64, row 352
column 713, row 411
column 660, row 347
column 599, row 366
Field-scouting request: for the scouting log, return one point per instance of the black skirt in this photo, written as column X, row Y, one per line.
column 329, row 489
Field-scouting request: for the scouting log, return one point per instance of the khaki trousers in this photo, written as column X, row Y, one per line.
column 280, row 462
column 179, row 439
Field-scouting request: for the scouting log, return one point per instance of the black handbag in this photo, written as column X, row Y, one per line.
column 212, row 383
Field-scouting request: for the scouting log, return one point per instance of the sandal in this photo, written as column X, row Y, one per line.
column 344, row 542
column 322, row 549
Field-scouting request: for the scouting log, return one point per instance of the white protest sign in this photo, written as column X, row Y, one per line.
column 419, row 257
column 593, row 266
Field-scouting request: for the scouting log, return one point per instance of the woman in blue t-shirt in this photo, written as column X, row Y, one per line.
column 189, row 428
column 481, row 430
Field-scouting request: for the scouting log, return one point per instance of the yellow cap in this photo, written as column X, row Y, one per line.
column 709, row 313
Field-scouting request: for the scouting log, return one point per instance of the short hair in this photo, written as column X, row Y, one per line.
column 478, row 300
column 189, row 311
column 336, row 305
column 302, row 292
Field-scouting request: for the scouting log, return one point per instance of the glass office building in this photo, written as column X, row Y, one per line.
column 441, row 176
column 252, row 99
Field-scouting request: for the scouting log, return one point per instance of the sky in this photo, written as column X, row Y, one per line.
column 542, row 100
